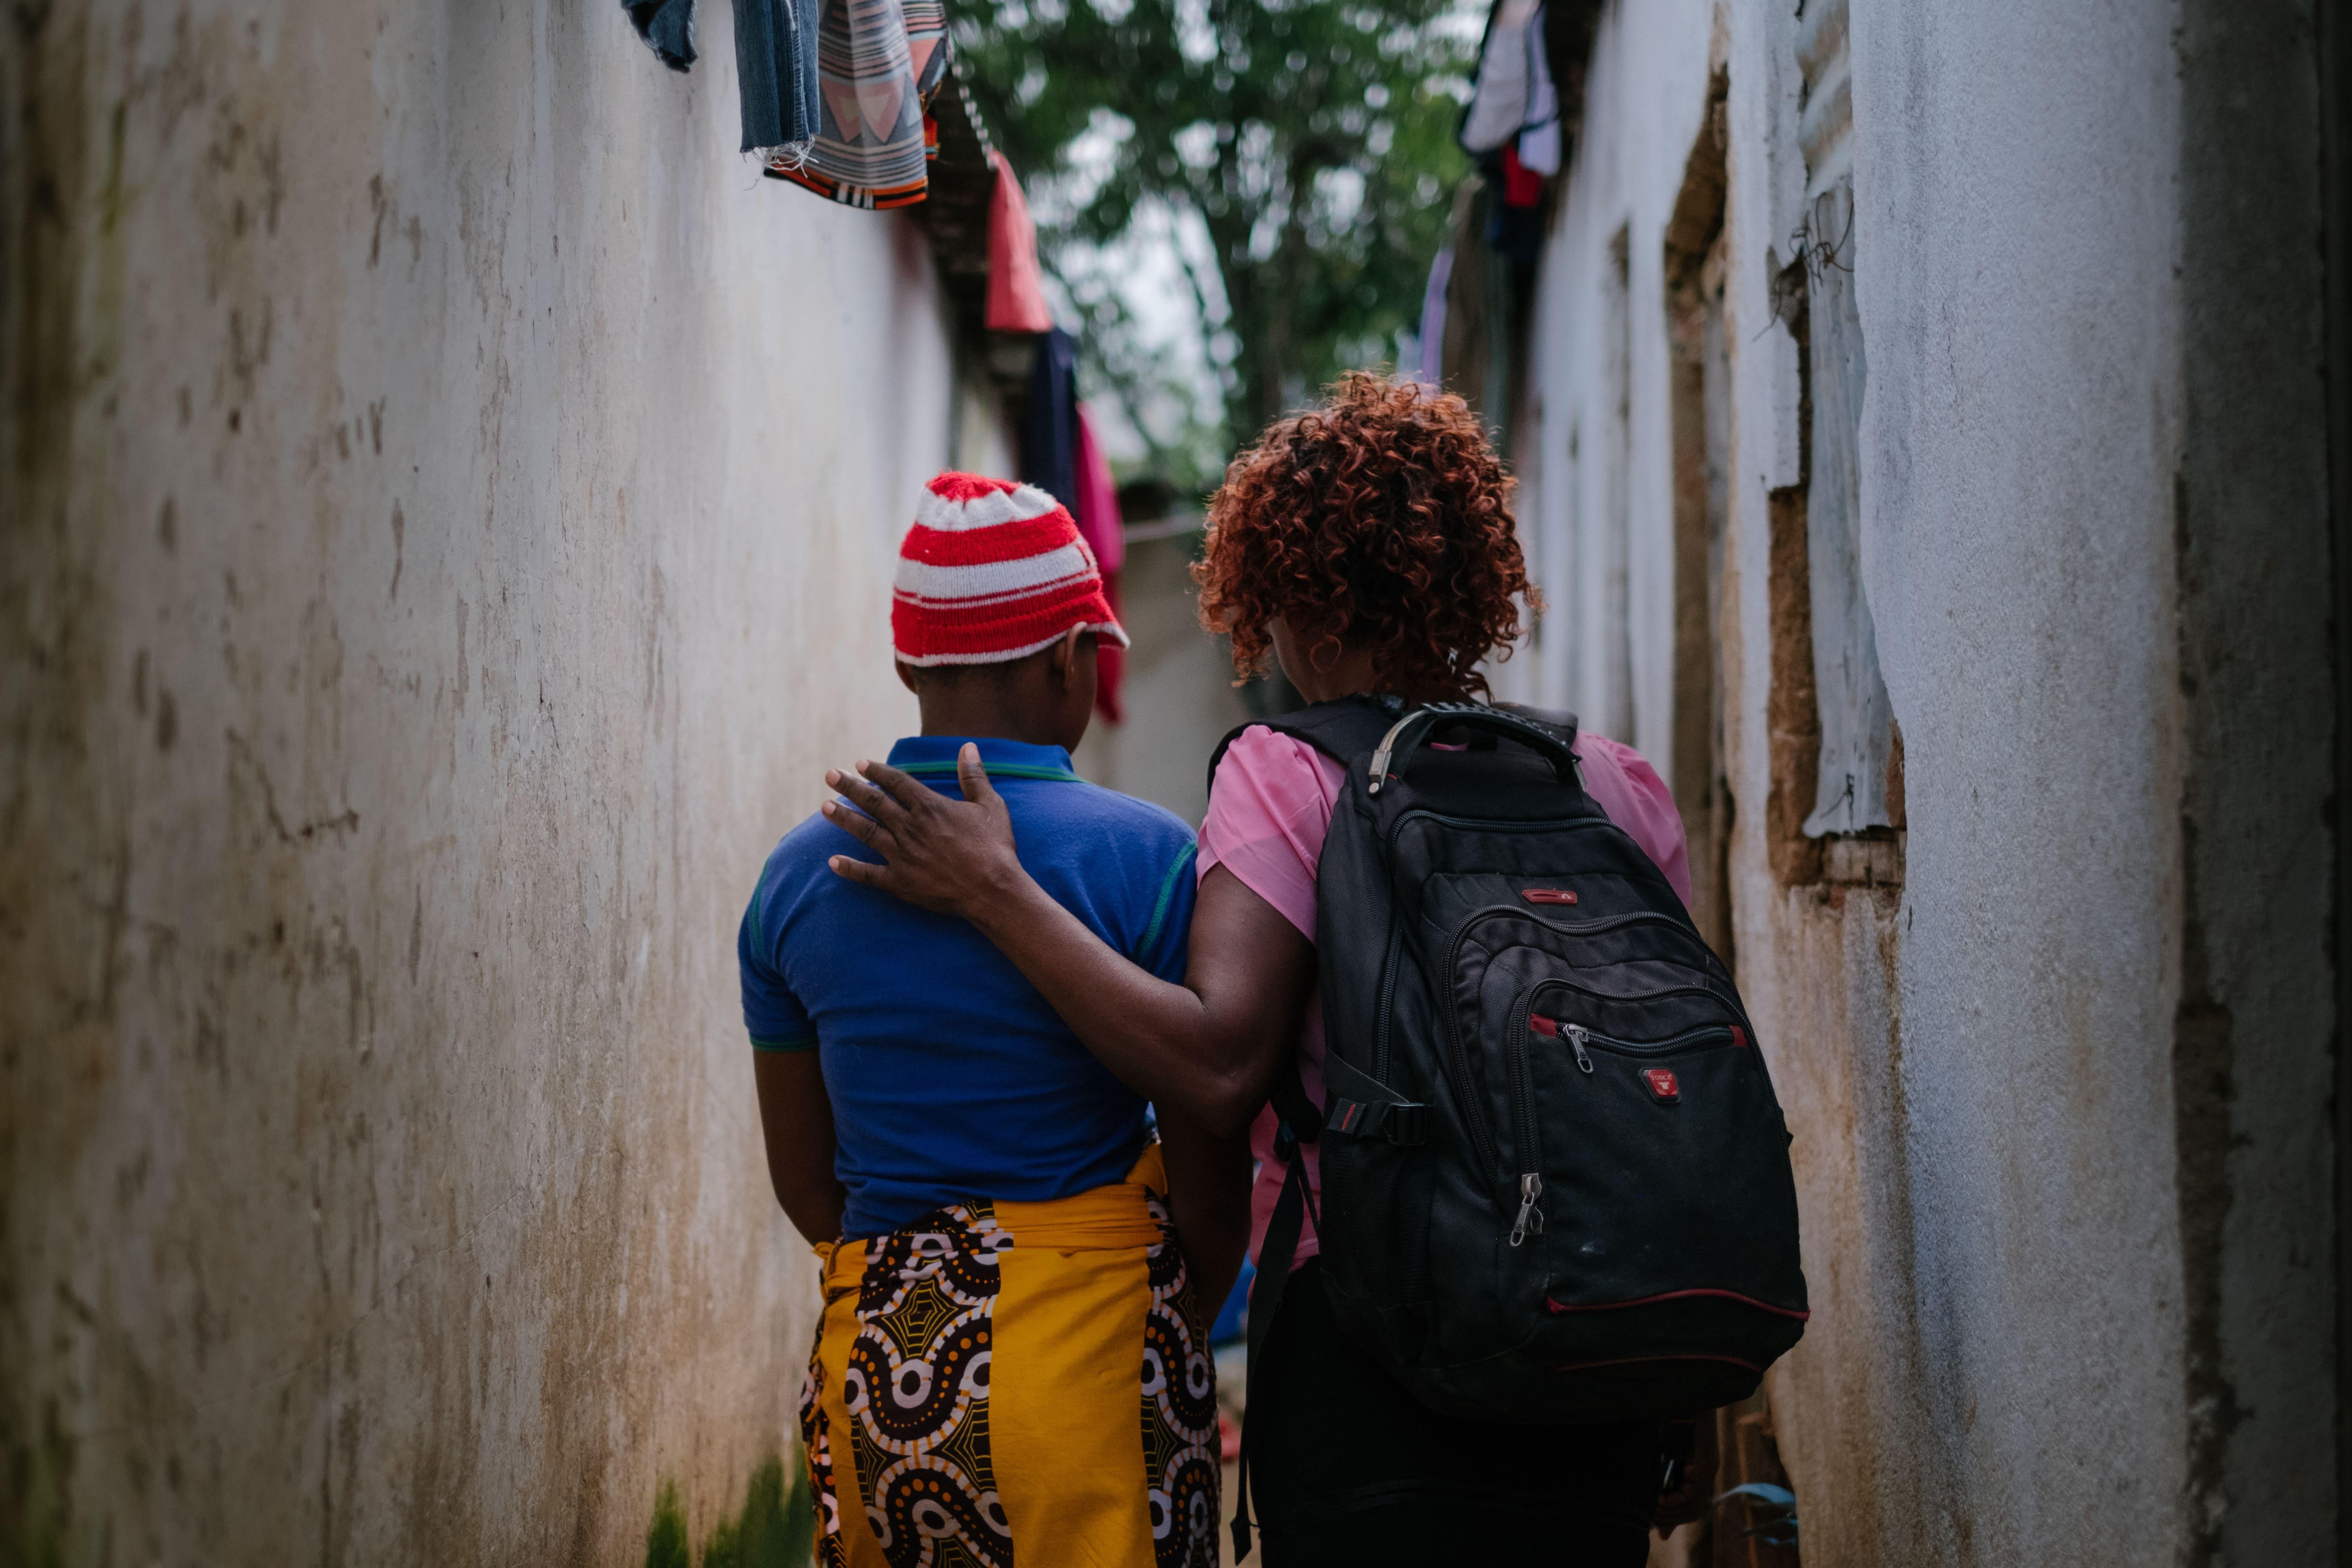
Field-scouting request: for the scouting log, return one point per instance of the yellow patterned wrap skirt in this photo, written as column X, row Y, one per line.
column 1004, row 1383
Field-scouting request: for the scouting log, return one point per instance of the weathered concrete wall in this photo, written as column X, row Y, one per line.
column 2016, row 219
column 450, row 510
column 2056, row 1058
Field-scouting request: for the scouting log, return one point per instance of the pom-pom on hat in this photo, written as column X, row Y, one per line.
column 993, row 570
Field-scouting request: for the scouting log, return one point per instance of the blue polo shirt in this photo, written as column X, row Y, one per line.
column 949, row 1076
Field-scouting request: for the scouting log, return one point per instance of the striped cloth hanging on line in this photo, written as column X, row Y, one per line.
column 879, row 62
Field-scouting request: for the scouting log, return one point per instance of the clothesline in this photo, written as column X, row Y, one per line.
column 1516, row 128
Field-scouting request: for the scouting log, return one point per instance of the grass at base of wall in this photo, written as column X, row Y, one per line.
column 776, row 1528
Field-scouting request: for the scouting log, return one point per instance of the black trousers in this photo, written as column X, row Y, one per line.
column 1348, row 1469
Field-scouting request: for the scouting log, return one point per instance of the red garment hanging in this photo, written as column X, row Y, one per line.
column 1016, row 290
column 1522, row 186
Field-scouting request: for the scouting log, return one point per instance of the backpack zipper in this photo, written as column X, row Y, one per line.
column 1588, row 927
column 1531, row 1218
column 1706, row 990
column 1598, row 927
column 1465, row 1087
column 1521, row 1095
column 1515, row 1051
column 1667, row 1047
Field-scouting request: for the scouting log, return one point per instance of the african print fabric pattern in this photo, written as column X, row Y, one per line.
column 816, row 1443
column 1097, row 1443
column 917, row 1392
column 1179, row 1414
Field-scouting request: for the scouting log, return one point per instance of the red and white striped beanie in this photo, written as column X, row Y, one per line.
column 993, row 570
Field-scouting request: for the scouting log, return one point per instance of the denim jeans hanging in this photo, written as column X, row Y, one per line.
column 667, row 26
column 775, row 63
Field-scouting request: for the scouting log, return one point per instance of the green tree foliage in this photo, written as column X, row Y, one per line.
column 1313, row 140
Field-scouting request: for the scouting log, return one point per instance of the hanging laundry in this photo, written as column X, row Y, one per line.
column 1017, row 290
column 1105, row 532
column 1096, row 506
column 1522, row 186
column 1514, row 207
column 1498, row 97
column 877, row 63
column 929, row 53
column 1049, row 440
column 1512, row 127
column 1515, row 107
column 776, row 76
column 667, row 28
column 775, row 64
column 1539, row 139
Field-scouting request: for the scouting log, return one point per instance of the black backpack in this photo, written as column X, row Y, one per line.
column 1555, row 1178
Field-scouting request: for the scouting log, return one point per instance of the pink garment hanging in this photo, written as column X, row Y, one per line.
column 1097, row 499
column 1017, row 290
column 1106, row 534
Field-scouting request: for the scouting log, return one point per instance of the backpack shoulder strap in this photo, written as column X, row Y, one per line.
column 1343, row 729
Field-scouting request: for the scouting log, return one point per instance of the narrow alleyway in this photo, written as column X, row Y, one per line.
column 450, row 513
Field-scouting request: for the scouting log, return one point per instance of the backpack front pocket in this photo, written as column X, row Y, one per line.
column 1681, row 1135
column 1499, row 962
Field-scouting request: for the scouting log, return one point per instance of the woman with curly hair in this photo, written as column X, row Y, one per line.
column 1368, row 547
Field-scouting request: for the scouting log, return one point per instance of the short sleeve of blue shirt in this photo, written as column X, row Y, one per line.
column 774, row 1017
column 1166, row 939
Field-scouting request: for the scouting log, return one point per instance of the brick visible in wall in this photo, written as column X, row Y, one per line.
column 1792, row 718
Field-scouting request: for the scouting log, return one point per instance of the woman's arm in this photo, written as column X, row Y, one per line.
column 1206, row 1050
column 1208, row 1194
column 796, row 1118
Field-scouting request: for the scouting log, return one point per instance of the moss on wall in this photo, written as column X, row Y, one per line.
column 776, row 1529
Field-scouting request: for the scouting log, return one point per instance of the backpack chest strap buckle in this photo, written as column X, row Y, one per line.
column 1402, row 1124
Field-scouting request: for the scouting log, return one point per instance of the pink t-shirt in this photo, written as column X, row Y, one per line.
column 1269, row 808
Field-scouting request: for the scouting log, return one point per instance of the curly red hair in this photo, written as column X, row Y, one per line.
column 1382, row 519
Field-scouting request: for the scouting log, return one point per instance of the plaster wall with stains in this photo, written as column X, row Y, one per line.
column 449, row 509
column 2059, row 1085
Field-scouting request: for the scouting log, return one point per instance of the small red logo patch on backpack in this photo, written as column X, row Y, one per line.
column 1663, row 1087
column 1548, row 895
